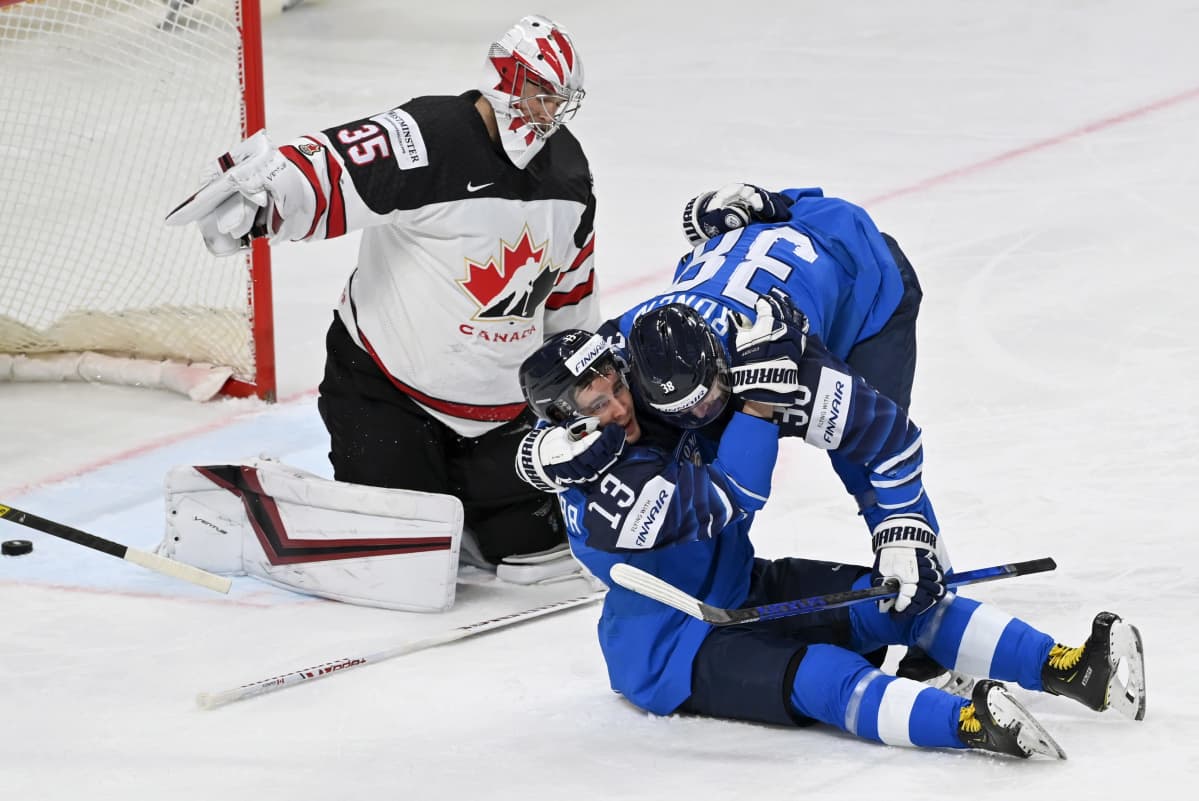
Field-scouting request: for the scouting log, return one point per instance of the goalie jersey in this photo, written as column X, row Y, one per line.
column 466, row 263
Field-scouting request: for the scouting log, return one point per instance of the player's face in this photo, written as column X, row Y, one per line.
column 540, row 104
column 607, row 397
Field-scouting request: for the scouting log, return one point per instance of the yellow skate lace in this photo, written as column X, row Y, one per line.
column 967, row 722
column 1063, row 658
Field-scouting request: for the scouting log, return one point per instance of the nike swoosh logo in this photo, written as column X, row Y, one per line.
column 470, row 187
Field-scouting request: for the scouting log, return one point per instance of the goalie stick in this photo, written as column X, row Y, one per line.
column 649, row 585
column 150, row 561
column 213, row 700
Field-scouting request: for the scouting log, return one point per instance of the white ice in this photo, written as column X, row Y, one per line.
column 1037, row 161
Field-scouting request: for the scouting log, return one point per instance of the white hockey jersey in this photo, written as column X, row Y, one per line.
column 466, row 262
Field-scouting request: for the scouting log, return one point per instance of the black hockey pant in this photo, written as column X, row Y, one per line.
column 380, row 437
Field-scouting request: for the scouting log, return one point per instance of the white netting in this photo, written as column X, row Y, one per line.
column 108, row 111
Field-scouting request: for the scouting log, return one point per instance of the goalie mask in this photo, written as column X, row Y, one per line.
column 564, row 364
column 533, row 79
column 679, row 366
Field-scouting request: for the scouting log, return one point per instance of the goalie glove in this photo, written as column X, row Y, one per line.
column 734, row 206
column 251, row 191
column 905, row 550
column 767, row 353
column 556, row 458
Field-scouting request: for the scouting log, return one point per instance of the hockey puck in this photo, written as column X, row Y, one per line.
column 16, row 547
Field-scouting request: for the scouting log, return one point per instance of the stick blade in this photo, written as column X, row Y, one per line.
column 179, row 570
column 649, row 585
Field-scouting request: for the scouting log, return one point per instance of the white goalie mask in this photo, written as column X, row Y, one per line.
column 533, row 79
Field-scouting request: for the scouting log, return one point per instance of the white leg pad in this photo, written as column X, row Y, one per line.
column 389, row 548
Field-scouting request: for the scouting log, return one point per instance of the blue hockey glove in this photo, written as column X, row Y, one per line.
column 767, row 353
column 734, row 206
column 904, row 549
column 556, row 458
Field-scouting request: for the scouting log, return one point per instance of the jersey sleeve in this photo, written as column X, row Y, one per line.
column 653, row 498
column 574, row 300
column 359, row 172
column 844, row 414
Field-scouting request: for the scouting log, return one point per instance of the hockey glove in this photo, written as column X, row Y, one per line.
column 767, row 353
column 734, row 206
column 556, row 458
column 904, row 549
column 250, row 191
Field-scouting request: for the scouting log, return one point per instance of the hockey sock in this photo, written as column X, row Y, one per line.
column 981, row 640
column 839, row 687
column 963, row 635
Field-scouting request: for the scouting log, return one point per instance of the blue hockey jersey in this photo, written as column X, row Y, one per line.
column 679, row 506
column 834, row 264
column 829, row 258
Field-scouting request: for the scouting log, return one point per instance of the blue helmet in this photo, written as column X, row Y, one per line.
column 565, row 362
column 679, row 366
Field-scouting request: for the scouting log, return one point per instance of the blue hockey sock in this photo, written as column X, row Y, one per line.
column 982, row 640
column 839, row 687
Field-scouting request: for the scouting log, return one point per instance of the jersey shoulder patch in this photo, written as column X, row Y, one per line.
column 407, row 142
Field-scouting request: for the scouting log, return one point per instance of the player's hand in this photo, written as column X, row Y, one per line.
column 904, row 550
column 556, row 458
column 733, row 206
column 766, row 353
column 250, row 191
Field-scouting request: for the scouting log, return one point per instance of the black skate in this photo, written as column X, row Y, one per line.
column 1107, row 671
column 995, row 721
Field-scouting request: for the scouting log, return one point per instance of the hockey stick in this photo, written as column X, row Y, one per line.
column 213, row 700
column 637, row 580
column 150, row 561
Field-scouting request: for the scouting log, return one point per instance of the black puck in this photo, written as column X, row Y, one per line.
column 16, row 547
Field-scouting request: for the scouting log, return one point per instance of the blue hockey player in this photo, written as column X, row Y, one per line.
column 678, row 502
column 855, row 285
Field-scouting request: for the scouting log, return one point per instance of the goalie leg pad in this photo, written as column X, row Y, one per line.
column 390, row 548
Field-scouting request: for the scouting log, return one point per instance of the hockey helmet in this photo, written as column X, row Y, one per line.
column 564, row 364
column 679, row 366
column 533, row 79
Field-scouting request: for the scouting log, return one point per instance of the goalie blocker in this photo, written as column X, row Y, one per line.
column 389, row 548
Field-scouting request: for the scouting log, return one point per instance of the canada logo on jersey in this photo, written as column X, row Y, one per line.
column 514, row 287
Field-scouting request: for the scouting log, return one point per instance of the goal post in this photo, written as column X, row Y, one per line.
column 108, row 111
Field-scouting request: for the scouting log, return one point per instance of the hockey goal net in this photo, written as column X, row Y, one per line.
column 108, row 110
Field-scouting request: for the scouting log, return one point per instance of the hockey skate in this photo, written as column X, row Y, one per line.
column 995, row 721
column 1091, row 673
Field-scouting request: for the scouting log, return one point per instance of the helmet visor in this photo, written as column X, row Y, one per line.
column 701, row 407
column 582, row 398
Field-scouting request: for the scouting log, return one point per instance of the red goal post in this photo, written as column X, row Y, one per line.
column 108, row 111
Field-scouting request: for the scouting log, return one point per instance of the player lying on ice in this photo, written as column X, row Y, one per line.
column 678, row 501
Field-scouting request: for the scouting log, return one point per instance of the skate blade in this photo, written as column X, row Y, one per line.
column 1031, row 736
column 1127, row 694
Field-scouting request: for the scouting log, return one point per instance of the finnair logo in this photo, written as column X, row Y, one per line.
column 830, row 409
column 591, row 350
column 641, row 527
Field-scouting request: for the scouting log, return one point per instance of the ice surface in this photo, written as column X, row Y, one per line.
column 1037, row 162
